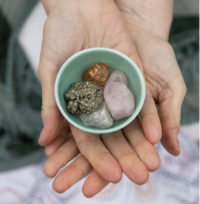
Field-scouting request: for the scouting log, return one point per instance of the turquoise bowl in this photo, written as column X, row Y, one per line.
column 72, row 70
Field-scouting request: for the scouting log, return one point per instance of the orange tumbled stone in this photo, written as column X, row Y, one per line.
column 97, row 74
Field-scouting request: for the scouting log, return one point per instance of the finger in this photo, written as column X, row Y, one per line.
column 51, row 59
column 128, row 160
column 100, row 158
column 144, row 149
column 93, row 184
column 73, row 173
column 170, row 112
column 52, row 121
column 150, row 120
column 60, row 158
column 51, row 116
column 59, row 140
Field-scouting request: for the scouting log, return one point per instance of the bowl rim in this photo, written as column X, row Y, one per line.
column 87, row 128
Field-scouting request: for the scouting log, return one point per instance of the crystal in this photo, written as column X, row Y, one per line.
column 97, row 74
column 119, row 99
column 117, row 76
column 84, row 97
column 101, row 118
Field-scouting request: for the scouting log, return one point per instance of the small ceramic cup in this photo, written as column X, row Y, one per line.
column 72, row 70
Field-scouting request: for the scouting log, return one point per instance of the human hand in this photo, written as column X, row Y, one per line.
column 72, row 26
column 149, row 24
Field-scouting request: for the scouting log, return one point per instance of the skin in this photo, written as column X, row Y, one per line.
column 149, row 26
column 72, row 26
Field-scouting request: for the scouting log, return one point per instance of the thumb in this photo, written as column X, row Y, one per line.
column 57, row 47
column 51, row 116
column 149, row 118
column 170, row 112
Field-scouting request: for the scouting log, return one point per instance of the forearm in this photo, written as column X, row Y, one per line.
column 154, row 13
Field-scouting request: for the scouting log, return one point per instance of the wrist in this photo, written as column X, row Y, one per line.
column 148, row 16
column 49, row 5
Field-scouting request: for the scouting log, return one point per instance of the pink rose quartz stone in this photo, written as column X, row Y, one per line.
column 119, row 99
column 116, row 76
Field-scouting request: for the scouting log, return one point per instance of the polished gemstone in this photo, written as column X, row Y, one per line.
column 119, row 99
column 101, row 118
column 117, row 76
column 97, row 74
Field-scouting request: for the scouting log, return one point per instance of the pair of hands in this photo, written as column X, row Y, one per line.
column 139, row 30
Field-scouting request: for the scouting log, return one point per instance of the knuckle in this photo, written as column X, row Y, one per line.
column 181, row 89
column 168, row 47
column 79, row 171
column 184, row 90
column 85, row 142
column 172, row 132
column 135, row 124
column 125, row 157
column 148, row 98
column 100, row 158
column 148, row 114
column 115, row 137
column 141, row 143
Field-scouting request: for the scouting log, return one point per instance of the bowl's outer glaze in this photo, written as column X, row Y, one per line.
column 72, row 71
